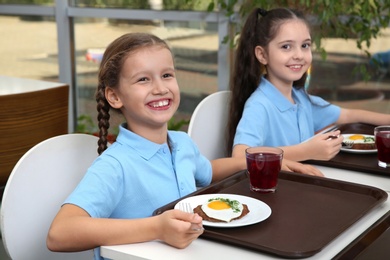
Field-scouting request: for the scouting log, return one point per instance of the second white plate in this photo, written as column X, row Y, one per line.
column 258, row 210
column 348, row 150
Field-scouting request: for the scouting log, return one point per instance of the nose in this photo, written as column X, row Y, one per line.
column 159, row 88
column 298, row 54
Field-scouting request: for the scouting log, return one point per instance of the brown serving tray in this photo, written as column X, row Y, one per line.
column 372, row 244
column 352, row 161
column 308, row 212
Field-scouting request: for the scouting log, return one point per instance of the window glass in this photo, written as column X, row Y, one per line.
column 194, row 45
column 145, row 4
column 28, row 2
column 28, row 47
column 29, row 50
column 335, row 80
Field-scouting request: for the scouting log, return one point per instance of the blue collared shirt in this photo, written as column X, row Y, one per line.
column 135, row 176
column 270, row 119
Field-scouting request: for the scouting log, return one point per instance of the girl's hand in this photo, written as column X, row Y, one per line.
column 177, row 227
column 324, row 146
column 293, row 166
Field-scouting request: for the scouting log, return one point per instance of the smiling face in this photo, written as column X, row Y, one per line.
column 148, row 94
column 288, row 56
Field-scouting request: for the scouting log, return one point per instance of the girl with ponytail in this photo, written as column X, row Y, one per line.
column 269, row 105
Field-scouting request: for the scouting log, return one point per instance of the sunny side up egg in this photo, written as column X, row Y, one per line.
column 359, row 139
column 219, row 209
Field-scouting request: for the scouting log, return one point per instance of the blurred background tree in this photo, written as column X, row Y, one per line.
column 361, row 20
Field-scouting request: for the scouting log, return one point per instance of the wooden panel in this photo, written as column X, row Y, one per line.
column 27, row 119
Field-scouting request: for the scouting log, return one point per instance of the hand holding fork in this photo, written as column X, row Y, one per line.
column 186, row 207
column 346, row 143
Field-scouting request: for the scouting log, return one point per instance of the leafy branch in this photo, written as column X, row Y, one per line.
column 361, row 20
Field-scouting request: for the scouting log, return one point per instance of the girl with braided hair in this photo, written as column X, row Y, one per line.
column 147, row 167
column 269, row 104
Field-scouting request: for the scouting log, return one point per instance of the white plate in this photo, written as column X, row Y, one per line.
column 346, row 136
column 258, row 210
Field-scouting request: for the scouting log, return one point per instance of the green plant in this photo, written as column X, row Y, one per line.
column 361, row 20
column 85, row 124
column 173, row 124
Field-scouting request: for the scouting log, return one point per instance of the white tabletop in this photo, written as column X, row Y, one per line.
column 11, row 85
column 206, row 249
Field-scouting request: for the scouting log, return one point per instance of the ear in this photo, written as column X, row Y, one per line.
column 113, row 98
column 261, row 55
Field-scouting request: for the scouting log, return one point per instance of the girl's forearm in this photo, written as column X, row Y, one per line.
column 78, row 233
column 363, row 116
column 225, row 167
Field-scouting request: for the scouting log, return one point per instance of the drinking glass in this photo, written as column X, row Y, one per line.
column 382, row 142
column 263, row 167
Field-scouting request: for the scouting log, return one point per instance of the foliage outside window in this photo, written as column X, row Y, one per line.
column 144, row 4
column 361, row 20
column 28, row 2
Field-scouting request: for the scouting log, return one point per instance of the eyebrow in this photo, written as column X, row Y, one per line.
column 290, row 41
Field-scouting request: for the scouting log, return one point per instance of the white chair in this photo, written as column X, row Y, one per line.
column 38, row 185
column 208, row 124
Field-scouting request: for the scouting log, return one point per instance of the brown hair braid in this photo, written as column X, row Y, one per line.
column 109, row 72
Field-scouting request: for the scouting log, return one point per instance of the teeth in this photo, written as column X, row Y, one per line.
column 296, row 66
column 160, row 103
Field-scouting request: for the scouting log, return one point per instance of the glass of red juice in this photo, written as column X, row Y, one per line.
column 263, row 166
column 382, row 142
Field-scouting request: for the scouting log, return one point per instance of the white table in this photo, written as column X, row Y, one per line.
column 12, row 86
column 206, row 249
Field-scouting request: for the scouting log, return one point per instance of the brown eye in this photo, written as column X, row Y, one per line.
column 167, row 75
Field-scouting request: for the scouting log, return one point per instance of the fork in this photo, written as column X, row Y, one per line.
column 347, row 144
column 186, row 207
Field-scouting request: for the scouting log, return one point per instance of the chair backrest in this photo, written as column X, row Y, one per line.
column 38, row 185
column 208, row 124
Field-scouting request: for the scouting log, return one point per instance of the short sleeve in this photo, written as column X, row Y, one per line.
column 101, row 188
column 324, row 113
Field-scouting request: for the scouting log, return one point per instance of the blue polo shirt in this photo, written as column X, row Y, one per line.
column 270, row 119
column 135, row 176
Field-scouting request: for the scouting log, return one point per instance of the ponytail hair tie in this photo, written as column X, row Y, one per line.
column 262, row 12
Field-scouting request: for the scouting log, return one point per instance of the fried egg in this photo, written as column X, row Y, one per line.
column 222, row 209
column 359, row 139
